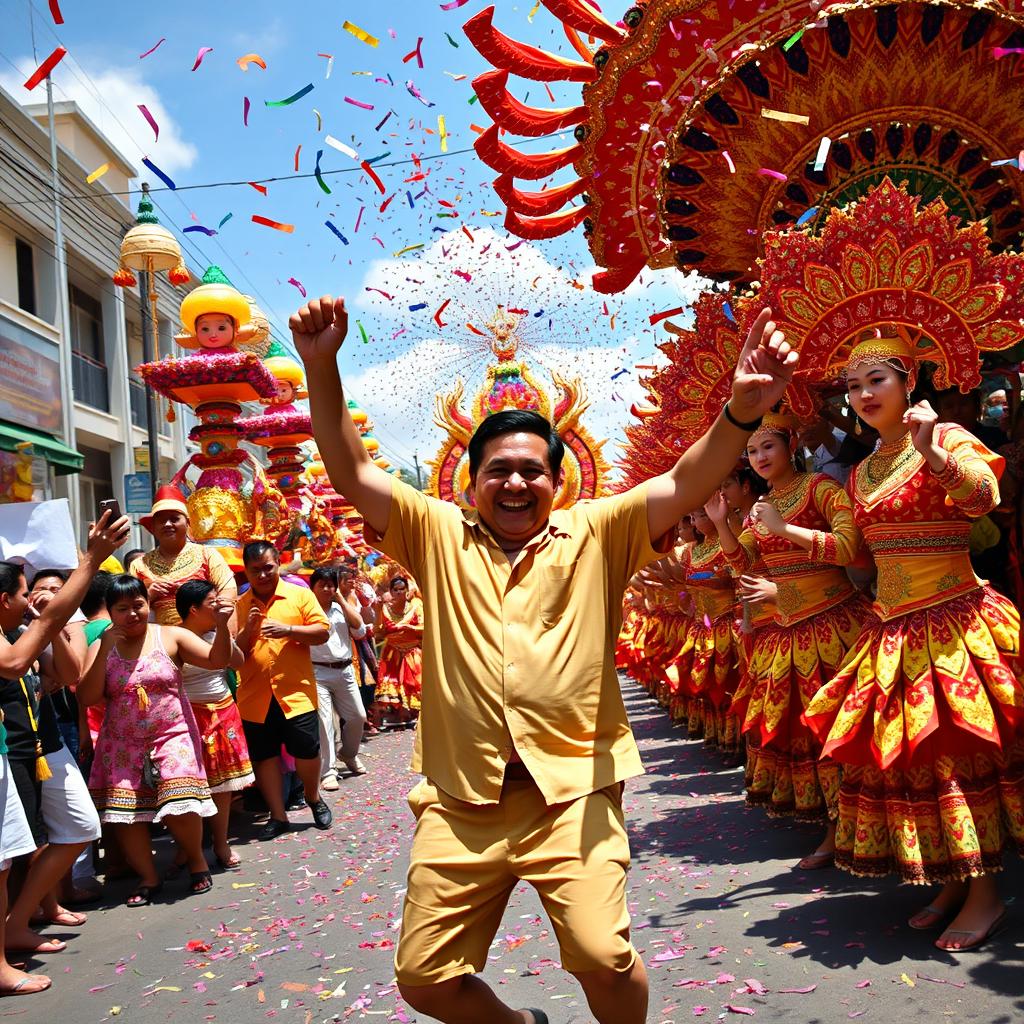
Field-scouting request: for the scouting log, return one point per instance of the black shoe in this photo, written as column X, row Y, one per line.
column 322, row 816
column 273, row 829
column 297, row 803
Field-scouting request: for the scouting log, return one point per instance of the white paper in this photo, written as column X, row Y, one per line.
column 38, row 535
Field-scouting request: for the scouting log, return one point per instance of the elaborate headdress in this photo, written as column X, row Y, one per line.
column 897, row 352
column 783, row 424
column 215, row 295
column 885, row 263
column 285, row 368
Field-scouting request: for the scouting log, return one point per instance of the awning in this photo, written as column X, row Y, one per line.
column 63, row 459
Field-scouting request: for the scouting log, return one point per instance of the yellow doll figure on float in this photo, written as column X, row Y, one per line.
column 216, row 317
column 291, row 383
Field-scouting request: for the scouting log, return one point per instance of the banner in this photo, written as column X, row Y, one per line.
column 29, row 379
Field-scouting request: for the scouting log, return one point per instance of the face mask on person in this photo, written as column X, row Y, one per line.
column 996, row 412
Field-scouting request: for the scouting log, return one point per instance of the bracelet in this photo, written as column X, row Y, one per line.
column 749, row 427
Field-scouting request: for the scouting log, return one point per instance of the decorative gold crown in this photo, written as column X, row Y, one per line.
column 784, row 424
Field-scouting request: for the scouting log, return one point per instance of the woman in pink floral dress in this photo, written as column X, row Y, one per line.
column 147, row 765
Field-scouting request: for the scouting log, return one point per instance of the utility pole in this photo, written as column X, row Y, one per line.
column 148, row 330
column 419, row 475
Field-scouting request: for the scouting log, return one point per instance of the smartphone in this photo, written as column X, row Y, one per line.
column 115, row 509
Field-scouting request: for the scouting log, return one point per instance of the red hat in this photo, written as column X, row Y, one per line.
column 167, row 497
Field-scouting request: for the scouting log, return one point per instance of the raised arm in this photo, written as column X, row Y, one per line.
column 196, row 651
column 763, row 373
column 318, row 330
column 740, row 552
column 105, row 537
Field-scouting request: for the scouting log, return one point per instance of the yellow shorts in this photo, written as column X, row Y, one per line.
column 467, row 858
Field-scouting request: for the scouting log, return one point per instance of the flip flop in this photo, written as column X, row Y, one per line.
column 816, row 861
column 64, row 919
column 143, row 895
column 201, row 881
column 20, row 988
column 936, row 916
column 230, row 864
column 974, row 939
column 55, row 946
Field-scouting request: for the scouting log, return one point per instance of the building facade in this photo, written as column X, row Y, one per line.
column 89, row 333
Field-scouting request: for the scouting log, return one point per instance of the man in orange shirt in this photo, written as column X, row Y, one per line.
column 523, row 741
column 277, row 689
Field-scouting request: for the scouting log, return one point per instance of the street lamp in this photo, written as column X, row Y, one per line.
column 148, row 248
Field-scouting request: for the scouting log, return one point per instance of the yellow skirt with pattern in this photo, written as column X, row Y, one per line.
column 927, row 718
column 786, row 668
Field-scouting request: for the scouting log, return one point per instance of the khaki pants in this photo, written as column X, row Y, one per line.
column 467, row 858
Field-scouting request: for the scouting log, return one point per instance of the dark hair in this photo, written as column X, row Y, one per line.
column 257, row 549
column 10, row 578
column 96, row 596
column 324, row 574
column 515, row 421
column 398, row 579
column 191, row 595
column 125, row 587
column 45, row 574
column 746, row 475
column 131, row 555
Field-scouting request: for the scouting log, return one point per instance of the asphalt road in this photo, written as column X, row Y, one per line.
column 305, row 931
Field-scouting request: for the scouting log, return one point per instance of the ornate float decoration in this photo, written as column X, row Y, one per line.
column 232, row 501
column 889, row 262
column 344, row 542
column 702, row 125
column 686, row 395
column 510, row 384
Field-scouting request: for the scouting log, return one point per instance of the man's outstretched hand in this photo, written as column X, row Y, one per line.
column 319, row 328
column 764, row 370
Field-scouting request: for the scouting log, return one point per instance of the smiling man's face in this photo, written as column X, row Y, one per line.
column 514, row 489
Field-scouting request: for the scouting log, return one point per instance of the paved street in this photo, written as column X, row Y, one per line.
column 305, row 931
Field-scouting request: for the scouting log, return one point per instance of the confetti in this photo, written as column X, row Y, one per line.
column 728, row 160
column 200, row 56
column 822, row 154
column 331, row 226
column 160, row 174
column 58, row 18
column 97, row 174
column 44, row 69
column 153, row 49
column 144, row 110
column 358, row 103
column 362, row 36
column 442, row 131
column 372, row 174
column 245, row 110
column 251, row 58
column 409, row 248
column 782, row 115
column 330, row 64
column 362, row 331
column 658, row 317
column 1006, row 51
column 415, row 53
column 341, row 147
column 302, row 292
column 454, row 5
column 416, row 94
column 319, row 120
column 225, row 219
column 769, row 173
column 793, row 40
column 288, row 229
column 441, row 309
column 199, row 227
column 316, row 171
column 806, row 216
column 304, row 91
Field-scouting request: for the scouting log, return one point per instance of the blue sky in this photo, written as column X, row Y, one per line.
column 203, row 140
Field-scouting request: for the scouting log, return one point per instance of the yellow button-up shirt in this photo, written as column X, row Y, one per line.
column 279, row 667
column 521, row 657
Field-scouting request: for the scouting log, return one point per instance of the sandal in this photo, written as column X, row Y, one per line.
column 927, row 918
column 39, row 983
column 143, row 895
column 816, row 861
column 202, row 881
column 230, row 864
column 45, row 946
column 974, row 939
column 539, row 1016
column 63, row 918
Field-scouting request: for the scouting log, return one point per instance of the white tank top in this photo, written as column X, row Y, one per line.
column 204, row 685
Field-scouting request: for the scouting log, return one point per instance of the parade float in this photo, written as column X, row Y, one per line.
column 511, row 384
column 703, row 125
column 231, row 501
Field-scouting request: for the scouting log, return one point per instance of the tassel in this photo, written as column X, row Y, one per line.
column 143, row 698
column 42, row 768
column 171, row 415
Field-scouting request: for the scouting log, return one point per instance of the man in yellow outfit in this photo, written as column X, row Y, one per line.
column 523, row 739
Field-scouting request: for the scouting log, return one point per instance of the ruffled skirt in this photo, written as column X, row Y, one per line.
column 225, row 753
column 787, row 666
column 927, row 717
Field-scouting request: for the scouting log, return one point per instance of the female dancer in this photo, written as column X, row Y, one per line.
column 705, row 673
column 927, row 712
column 400, row 630
column 804, row 533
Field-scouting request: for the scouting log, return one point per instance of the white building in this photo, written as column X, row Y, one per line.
column 103, row 329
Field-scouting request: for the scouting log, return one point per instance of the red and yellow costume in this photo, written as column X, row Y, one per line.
column 705, row 670
column 926, row 714
column 400, row 666
column 817, row 618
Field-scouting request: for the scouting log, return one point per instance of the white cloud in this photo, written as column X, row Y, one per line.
column 408, row 360
column 110, row 99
